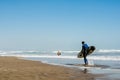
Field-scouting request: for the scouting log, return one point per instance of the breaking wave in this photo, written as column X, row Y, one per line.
column 108, row 51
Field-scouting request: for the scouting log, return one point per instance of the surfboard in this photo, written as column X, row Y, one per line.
column 90, row 50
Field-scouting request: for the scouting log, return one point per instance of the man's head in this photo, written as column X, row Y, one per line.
column 83, row 42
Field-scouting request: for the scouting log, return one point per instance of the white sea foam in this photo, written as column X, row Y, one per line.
column 1, row 52
column 43, row 56
column 69, row 51
column 66, row 51
column 108, row 51
column 100, row 50
column 115, row 58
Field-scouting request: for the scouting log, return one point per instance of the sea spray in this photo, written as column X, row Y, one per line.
column 91, row 62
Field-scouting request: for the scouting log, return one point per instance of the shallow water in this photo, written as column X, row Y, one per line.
column 109, row 68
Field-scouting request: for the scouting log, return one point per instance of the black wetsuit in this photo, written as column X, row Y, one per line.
column 85, row 48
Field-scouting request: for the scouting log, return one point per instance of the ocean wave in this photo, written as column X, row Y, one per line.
column 114, row 58
column 108, row 51
column 62, row 51
column 100, row 51
column 65, row 51
column 2, row 52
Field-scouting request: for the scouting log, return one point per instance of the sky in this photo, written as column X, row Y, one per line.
column 59, row 24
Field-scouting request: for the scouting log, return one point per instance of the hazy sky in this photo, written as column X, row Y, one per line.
column 59, row 24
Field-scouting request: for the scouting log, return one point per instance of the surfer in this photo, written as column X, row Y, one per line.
column 85, row 48
column 59, row 53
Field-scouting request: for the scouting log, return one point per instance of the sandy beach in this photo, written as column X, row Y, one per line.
column 12, row 68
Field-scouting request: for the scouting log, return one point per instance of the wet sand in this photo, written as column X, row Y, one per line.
column 12, row 68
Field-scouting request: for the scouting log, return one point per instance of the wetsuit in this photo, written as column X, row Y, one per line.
column 85, row 48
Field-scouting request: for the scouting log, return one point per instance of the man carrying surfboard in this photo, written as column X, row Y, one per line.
column 85, row 47
column 85, row 51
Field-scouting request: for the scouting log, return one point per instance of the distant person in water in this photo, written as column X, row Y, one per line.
column 85, row 48
column 59, row 53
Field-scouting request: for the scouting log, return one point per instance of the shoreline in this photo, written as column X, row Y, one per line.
column 14, row 68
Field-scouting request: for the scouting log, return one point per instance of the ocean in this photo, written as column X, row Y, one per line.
column 101, row 61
